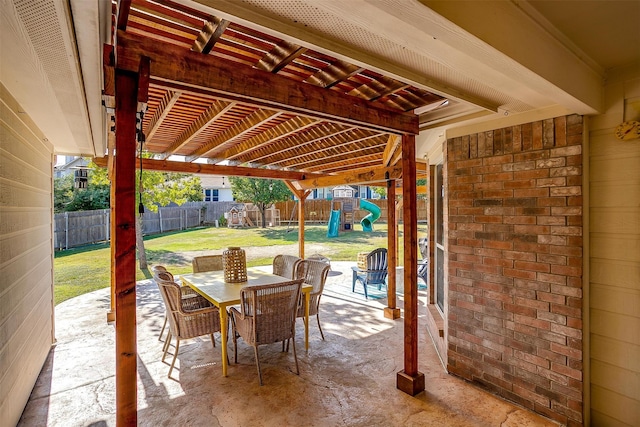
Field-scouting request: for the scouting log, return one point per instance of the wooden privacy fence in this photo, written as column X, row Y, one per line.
column 72, row 229
column 318, row 210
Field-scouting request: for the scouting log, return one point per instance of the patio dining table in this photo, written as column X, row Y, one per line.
column 211, row 285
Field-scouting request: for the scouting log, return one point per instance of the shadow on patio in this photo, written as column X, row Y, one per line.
column 347, row 380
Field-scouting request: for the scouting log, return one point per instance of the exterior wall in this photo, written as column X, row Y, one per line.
column 614, row 279
column 26, row 264
column 514, row 218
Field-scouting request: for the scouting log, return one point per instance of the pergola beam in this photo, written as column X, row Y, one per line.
column 207, row 169
column 257, row 87
column 370, row 176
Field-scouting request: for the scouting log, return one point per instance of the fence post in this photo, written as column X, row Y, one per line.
column 160, row 218
column 106, row 224
column 66, row 230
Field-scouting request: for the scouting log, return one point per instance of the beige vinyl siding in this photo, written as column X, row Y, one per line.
column 615, row 264
column 26, row 264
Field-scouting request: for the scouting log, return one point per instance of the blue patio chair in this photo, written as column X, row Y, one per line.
column 375, row 273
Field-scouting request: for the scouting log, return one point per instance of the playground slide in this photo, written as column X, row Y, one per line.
column 334, row 223
column 367, row 221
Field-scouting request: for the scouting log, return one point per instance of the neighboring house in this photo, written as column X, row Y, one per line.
column 70, row 165
column 534, row 200
column 357, row 191
column 216, row 188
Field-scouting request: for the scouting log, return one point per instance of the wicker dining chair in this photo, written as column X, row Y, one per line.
column 189, row 316
column 155, row 270
column 267, row 315
column 315, row 274
column 207, row 263
column 287, row 266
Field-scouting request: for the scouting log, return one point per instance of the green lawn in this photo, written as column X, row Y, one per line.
column 82, row 270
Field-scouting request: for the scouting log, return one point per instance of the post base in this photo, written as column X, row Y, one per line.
column 410, row 384
column 111, row 316
column 391, row 313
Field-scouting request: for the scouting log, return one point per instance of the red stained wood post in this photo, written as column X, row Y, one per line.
column 301, row 224
column 392, row 312
column 125, row 249
column 410, row 380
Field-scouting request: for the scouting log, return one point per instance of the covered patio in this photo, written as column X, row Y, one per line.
column 347, row 380
column 523, row 116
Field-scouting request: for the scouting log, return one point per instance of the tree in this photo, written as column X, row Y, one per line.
column 261, row 192
column 160, row 189
column 67, row 198
column 62, row 193
column 380, row 191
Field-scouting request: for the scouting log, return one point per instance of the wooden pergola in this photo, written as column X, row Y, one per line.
column 231, row 100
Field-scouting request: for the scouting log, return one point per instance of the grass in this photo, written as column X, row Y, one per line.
column 81, row 270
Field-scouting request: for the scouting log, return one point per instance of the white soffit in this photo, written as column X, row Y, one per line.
column 92, row 21
column 409, row 41
column 39, row 67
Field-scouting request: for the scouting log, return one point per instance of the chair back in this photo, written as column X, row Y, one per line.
column 287, row 266
column 423, row 245
column 170, row 292
column 273, row 310
column 377, row 266
column 207, row 263
column 157, row 269
column 315, row 274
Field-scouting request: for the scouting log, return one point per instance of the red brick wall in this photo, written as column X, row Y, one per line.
column 514, row 198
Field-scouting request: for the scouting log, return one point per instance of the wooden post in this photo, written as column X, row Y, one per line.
column 125, row 249
column 302, row 196
column 301, row 225
column 410, row 380
column 111, row 314
column 392, row 312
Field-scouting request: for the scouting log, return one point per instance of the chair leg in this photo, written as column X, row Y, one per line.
column 164, row 325
column 364, row 285
column 255, row 348
column 295, row 356
column 175, row 356
column 213, row 340
column 319, row 327
column 235, row 341
column 167, row 343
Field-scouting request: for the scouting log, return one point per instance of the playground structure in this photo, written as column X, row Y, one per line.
column 367, row 221
column 248, row 215
column 342, row 218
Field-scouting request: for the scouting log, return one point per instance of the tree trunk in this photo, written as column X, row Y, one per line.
column 142, row 254
column 263, row 212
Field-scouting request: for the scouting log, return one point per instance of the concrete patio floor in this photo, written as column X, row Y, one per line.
column 347, row 380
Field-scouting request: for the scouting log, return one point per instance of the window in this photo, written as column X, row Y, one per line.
column 211, row 195
column 342, row 192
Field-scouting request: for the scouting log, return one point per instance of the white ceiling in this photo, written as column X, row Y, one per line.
column 607, row 31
